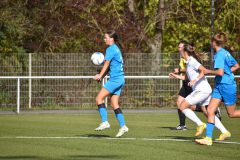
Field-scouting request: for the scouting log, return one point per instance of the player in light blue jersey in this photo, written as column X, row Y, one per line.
column 114, row 65
column 225, row 88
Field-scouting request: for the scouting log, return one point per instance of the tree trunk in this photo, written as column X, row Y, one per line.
column 156, row 45
column 131, row 6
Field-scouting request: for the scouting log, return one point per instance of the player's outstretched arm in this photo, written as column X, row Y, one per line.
column 172, row 75
column 179, row 70
column 218, row 72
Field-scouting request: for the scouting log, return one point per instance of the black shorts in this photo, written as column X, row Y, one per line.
column 185, row 89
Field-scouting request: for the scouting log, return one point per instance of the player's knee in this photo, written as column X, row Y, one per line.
column 114, row 105
column 210, row 111
column 181, row 107
column 98, row 100
column 231, row 114
column 210, row 114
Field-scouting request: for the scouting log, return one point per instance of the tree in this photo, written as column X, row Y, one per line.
column 144, row 25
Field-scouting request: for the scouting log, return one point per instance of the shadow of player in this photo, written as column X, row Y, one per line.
column 85, row 157
column 172, row 128
column 178, row 137
column 95, row 135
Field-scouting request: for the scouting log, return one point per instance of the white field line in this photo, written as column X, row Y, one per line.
column 110, row 138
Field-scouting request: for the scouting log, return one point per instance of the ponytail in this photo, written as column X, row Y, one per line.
column 190, row 49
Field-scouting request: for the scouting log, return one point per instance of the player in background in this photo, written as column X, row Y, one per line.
column 225, row 88
column 201, row 89
column 113, row 87
column 185, row 89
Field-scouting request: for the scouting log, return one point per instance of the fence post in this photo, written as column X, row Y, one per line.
column 30, row 82
column 180, row 84
column 18, row 95
column 104, row 80
column 212, row 25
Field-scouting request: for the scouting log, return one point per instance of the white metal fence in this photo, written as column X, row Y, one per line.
column 64, row 81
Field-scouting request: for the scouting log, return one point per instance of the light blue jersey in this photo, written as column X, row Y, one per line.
column 116, row 82
column 114, row 55
column 224, row 60
column 225, row 86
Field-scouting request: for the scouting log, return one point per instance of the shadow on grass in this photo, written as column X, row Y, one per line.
column 170, row 128
column 178, row 137
column 95, row 135
column 173, row 128
column 86, row 157
column 19, row 157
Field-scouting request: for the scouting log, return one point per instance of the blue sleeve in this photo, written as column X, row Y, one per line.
column 219, row 61
column 109, row 55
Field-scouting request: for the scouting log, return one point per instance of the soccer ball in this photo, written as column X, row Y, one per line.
column 97, row 58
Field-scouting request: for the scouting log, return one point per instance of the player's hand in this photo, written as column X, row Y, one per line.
column 172, row 75
column 97, row 77
column 192, row 83
column 176, row 70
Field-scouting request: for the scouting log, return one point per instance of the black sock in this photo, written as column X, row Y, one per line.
column 117, row 111
column 182, row 117
column 198, row 108
column 101, row 106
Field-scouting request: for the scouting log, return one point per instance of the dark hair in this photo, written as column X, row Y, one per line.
column 113, row 34
column 220, row 39
column 190, row 49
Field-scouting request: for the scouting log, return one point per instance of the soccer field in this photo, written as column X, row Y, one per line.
column 72, row 136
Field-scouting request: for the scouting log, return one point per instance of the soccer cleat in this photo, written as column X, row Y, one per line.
column 224, row 136
column 200, row 129
column 181, row 127
column 205, row 141
column 102, row 126
column 124, row 129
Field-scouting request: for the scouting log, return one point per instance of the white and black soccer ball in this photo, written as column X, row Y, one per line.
column 97, row 58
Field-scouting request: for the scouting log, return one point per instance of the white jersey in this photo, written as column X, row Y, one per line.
column 193, row 72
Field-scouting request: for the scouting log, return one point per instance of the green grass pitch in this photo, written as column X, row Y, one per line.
column 61, row 136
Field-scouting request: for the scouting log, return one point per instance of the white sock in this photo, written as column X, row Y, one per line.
column 192, row 116
column 219, row 125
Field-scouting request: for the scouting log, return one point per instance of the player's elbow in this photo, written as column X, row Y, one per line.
column 107, row 63
column 231, row 115
column 237, row 66
column 220, row 72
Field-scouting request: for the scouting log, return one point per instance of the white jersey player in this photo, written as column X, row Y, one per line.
column 202, row 90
